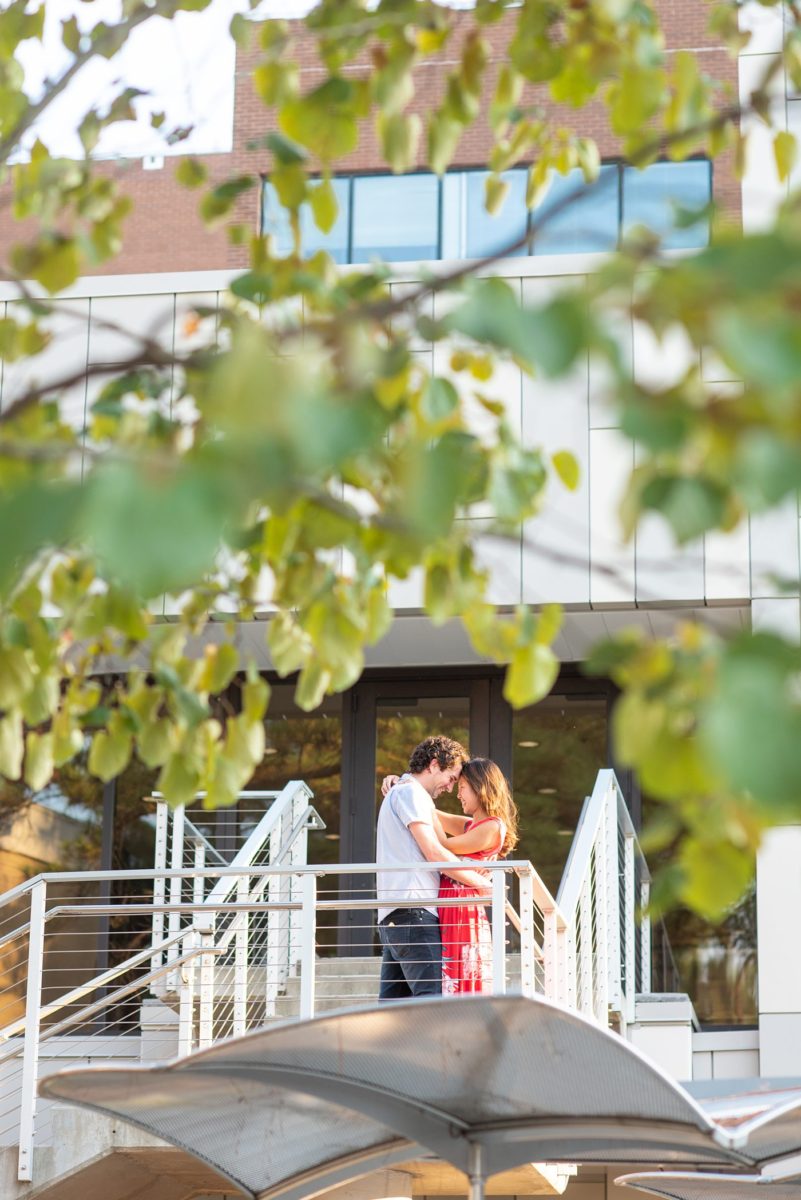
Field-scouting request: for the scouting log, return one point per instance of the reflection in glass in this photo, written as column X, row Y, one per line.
column 276, row 222
column 651, row 197
column 402, row 724
column 305, row 746
column 395, row 217
column 468, row 230
column 559, row 746
column 716, row 964
column 588, row 224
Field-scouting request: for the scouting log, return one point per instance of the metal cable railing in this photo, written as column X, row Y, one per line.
column 604, row 899
column 197, row 951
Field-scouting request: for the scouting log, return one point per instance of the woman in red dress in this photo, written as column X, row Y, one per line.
column 488, row 830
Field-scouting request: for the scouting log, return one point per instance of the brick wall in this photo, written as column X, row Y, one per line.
column 165, row 233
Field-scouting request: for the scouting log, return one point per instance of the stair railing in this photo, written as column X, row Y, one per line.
column 603, row 897
column 280, row 837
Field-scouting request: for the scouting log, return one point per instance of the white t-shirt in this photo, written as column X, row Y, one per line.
column 405, row 803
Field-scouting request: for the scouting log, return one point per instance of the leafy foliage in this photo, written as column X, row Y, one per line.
column 301, row 456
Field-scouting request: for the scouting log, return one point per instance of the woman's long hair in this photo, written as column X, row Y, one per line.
column 494, row 795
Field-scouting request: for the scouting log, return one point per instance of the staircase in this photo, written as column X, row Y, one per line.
column 230, row 948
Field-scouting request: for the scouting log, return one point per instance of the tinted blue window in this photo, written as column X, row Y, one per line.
column 650, row 197
column 468, row 230
column 335, row 241
column 586, row 225
column 274, row 220
column 395, row 217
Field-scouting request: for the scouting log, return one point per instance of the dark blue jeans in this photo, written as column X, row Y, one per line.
column 411, row 962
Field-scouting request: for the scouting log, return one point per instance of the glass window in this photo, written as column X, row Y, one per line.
column 275, row 222
column 395, row 217
column 651, row 196
column 559, row 746
column 586, row 225
column 402, row 724
column 468, row 230
column 305, row 746
column 716, row 965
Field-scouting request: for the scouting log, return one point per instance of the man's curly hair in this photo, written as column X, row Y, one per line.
column 445, row 750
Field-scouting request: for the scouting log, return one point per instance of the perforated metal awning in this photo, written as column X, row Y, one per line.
column 522, row 1079
column 692, row 1185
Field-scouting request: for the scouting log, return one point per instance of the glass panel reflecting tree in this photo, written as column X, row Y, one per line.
column 335, row 242
column 395, row 217
column 559, row 746
column 468, row 230
column 652, row 196
column 589, row 224
column 401, row 724
column 306, row 746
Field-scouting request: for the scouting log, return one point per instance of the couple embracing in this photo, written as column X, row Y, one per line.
column 428, row 949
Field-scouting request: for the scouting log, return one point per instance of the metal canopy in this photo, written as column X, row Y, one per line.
column 691, row 1185
column 485, row 1083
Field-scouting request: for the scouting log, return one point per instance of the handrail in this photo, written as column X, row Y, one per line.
column 98, row 981
column 256, row 840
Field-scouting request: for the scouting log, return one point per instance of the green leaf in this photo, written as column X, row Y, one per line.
column 714, row 876
column 110, row 751
column 439, row 400
column 530, row 675
column 550, row 337
column 399, row 134
column 324, row 120
column 173, row 527
column 785, row 152
column 496, row 190
column 178, row 781
column 752, row 723
column 691, row 506
column 38, row 760
column 549, row 622
column 34, row 515
column 313, row 683
column 443, row 137
column 12, row 746
column 287, row 152
column 567, row 468
column 324, row 206
column 155, row 741
column 191, row 172
column 16, row 675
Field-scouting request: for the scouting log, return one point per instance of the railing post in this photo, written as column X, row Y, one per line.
column 241, row 959
column 528, row 967
column 308, row 892
column 585, row 988
column 600, row 1007
column 186, row 1009
column 549, row 950
column 176, row 886
column 611, row 925
column 206, row 1013
column 498, row 932
column 159, row 883
column 30, row 1054
column 629, row 927
column 645, row 936
column 566, row 956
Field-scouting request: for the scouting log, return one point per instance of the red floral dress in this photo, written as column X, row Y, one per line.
column 466, row 936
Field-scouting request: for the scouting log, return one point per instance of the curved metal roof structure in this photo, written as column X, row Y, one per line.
column 692, row 1185
column 523, row 1079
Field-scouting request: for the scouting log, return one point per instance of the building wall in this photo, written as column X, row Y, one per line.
column 572, row 553
column 165, row 233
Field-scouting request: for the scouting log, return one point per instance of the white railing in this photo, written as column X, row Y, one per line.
column 203, row 951
column 603, row 900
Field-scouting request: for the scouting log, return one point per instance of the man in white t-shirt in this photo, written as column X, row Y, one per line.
column 411, row 962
